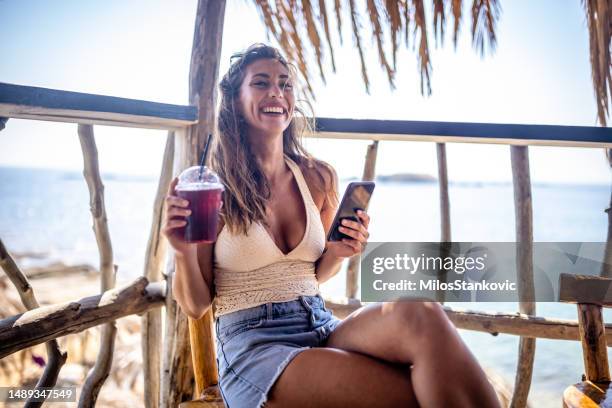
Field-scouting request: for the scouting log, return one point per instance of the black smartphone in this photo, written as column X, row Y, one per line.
column 356, row 197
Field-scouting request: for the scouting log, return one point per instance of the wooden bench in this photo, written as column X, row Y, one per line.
column 591, row 294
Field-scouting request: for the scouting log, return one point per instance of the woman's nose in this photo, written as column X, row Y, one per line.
column 276, row 91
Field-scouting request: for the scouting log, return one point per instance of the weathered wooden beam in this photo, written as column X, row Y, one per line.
column 55, row 358
column 463, row 132
column 352, row 272
column 28, row 102
column 516, row 324
column 593, row 339
column 101, row 369
column 49, row 322
column 151, row 328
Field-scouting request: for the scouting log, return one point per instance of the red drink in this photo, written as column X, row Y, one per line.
column 204, row 204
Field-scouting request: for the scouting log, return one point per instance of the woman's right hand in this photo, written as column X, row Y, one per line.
column 177, row 209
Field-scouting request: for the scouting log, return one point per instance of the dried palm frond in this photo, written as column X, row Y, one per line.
column 395, row 25
column 338, row 18
column 439, row 20
column 456, row 6
column 313, row 34
column 266, row 11
column 356, row 28
column 374, row 19
column 485, row 13
column 599, row 21
column 324, row 19
column 289, row 31
column 406, row 8
column 423, row 56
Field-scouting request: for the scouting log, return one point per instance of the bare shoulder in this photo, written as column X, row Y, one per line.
column 322, row 180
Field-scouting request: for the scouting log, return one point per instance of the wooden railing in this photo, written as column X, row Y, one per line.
column 167, row 380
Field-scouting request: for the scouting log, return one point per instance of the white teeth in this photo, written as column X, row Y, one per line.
column 273, row 109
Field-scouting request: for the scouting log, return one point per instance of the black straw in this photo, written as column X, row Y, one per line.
column 204, row 155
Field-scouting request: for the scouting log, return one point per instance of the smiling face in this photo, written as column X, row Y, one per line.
column 266, row 99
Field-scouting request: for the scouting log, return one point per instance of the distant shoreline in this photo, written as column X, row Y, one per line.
column 403, row 178
column 398, row 178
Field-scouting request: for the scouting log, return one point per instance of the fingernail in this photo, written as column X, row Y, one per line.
column 344, row 222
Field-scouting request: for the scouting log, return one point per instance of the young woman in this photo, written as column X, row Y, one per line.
column 277, row 343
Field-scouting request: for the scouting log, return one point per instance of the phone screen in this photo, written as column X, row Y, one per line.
column 356, row 197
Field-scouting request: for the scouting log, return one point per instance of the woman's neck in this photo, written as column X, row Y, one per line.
column 268, row 151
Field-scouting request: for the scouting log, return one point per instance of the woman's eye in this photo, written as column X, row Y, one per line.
column 260, row 83
column 287, row 86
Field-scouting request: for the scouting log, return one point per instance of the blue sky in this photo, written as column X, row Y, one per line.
column 540, row 73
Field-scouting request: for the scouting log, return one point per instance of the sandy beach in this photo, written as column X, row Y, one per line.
column 57, row 283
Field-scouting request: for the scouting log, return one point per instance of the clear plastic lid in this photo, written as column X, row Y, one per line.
column 198, row 178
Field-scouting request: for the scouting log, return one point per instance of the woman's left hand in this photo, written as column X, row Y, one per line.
column 358, row 233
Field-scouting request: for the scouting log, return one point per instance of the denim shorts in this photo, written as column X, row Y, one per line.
column 255, row 345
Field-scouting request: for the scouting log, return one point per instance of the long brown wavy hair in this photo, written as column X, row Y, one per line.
column 247, row 189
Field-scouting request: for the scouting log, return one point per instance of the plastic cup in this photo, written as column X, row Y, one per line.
column 201, row 187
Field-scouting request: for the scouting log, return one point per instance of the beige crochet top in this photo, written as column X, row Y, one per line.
column 250, row 270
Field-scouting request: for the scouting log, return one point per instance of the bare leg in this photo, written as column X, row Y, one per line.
column 330, row 378
column 444, row 371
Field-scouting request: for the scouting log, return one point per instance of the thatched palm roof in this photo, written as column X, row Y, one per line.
column 599, row 19
column 300, row 24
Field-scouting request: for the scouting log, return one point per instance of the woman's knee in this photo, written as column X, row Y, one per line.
column 426, row 319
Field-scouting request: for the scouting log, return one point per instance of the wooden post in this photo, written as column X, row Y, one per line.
column 524, row 258
column 181, row 385
column 352, row 272
column 98, row 374
column 445, row 225
column 203, row 78
column 170, row 332
column 593, row 336
column 177, row 376
column 151, row 337
column 203, row 74
column 56, row 359
column 202, row 352
column 606, row 268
